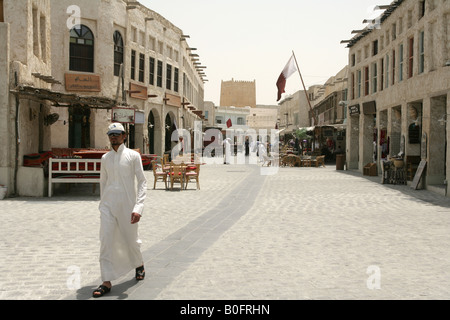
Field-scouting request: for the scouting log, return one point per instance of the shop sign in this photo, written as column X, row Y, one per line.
column 82, row 82
column 173, row 100
column 354, row 109
column 138, row 92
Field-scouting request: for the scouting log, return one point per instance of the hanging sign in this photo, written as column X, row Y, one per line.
column 123, row 115
column 138, row 92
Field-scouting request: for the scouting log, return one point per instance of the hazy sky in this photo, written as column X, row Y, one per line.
column 254, row 39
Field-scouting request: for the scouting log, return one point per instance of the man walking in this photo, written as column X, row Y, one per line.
column 121, row 207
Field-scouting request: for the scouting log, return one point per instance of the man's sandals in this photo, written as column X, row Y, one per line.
column 140, row 273
column 101, row 291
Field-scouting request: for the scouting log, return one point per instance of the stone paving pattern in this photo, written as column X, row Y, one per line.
column 302, row 233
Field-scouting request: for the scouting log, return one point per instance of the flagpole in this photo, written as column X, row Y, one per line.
column 306, row 93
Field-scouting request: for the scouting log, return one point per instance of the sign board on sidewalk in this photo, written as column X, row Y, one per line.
column 419, row 173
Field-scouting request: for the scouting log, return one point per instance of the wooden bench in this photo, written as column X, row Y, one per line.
column 73, row 171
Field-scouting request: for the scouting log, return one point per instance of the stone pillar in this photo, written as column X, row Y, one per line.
column 6, row 130
column 352, row 141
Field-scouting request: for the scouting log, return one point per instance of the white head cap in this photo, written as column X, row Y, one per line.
column 115, row 127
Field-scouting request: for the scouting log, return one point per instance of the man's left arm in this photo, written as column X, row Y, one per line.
column 141, row 185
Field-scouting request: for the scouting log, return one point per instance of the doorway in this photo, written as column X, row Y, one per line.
column 79, row 127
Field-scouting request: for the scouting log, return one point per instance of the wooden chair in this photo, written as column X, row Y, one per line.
column 306, row 161
column 176, row 174
column 193, row 174
column 320, row 161
column 158, row 175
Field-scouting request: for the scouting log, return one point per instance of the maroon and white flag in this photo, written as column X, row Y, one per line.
column 288, row 70
column 229, row 123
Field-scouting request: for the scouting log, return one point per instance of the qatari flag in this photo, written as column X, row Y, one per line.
column 288, row 70
column 229, row 124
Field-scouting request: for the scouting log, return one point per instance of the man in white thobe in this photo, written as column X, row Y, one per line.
column 120, row 208
column 262, row 150
column 227, row 155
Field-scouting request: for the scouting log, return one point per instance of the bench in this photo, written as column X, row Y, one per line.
column 73, row 171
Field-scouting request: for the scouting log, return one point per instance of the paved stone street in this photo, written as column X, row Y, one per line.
column 301, row 233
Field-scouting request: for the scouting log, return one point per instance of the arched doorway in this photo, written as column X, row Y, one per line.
column 79, row 127
column 151, row 132
column 169, row 126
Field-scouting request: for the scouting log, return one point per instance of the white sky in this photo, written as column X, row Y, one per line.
column 254, row 39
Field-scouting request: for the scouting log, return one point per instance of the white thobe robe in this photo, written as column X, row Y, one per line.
column 262, row 152
column 119, row 239
column 227, row 144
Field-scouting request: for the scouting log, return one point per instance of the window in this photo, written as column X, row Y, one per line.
column 43, row 36
column 387, row 71
column 118, row 52
column 374, row 77
column 176, row 80
column 352, row 88
column 409, row 19
column 35, row 33
column 240, row 121
column 400, row 64
column 375, row 48
column 393, row 67
column 81, row 49
column 2, row 19
column 366, row 81
column 353, row 60
column 134, row 36
column 168, row 77
column 410, row 57
column 421, row 9
column 159, row 74
column 422, row 52
column 151, row 79
column 382, row 75
column 151, row 43
column 359, row 83
column 141, row 67
column 133, row 64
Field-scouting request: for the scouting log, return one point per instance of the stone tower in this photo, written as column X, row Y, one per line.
column 238, row 93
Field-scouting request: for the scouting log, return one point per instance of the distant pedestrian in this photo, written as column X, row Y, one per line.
column 121, row 207
column 247, row 147
column 262, row 151
column 227, row 151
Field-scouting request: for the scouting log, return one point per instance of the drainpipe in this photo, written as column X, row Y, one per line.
column 17, row 137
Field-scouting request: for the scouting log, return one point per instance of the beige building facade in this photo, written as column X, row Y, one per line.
column 293, row 112
column 70, row 68
column 263, row 117
column 399, row 89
